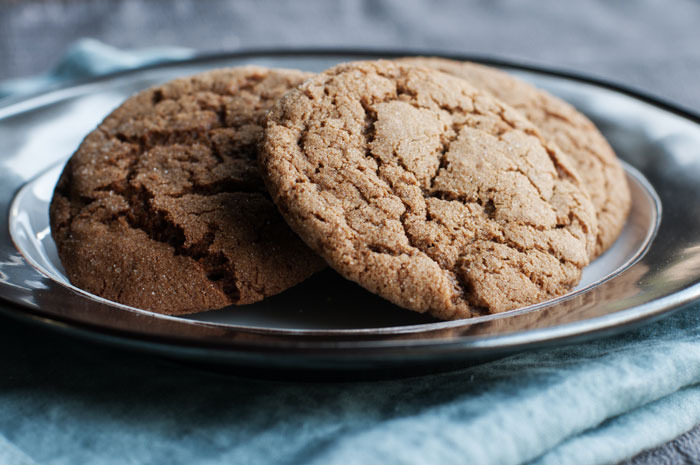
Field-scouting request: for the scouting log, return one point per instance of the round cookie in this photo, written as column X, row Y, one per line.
column 562, row 124
column 426, row 191
column 162, row 206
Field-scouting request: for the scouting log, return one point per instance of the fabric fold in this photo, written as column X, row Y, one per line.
column 87, row 58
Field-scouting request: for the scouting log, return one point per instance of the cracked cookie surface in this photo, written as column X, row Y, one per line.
column 162, row 206
column 559, row 122
column 426, row 191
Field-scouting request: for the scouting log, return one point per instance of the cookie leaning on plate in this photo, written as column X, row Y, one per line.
column 562, row 124
column 426, row 191
column 162, row 206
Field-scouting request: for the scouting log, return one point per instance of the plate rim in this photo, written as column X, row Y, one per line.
column 517, row 339
column 630, row 171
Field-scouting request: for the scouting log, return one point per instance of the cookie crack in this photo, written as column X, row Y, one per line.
column 220, row 187
column 520, row 171
column 475, row 300
column 369, row 134
column 411, row 97
column 487, row 206
column 444, row 163
column 158, row 227
column 151, row 139
column 158, row 94
column 546, row 107
column 249, row 85
column 502, row 115
column 538, row 280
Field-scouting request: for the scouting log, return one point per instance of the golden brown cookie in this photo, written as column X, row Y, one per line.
column 426, row 191
column 562, row 124
column 162, row 206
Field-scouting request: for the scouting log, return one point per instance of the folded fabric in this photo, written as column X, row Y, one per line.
column 89, row 57
column 64, row 401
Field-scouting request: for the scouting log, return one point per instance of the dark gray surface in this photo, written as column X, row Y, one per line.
column 685, row 449
column 651, row 45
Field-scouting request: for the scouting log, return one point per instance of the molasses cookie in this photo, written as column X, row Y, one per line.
column 559, row 122
column 162, row 207
column 427, row 191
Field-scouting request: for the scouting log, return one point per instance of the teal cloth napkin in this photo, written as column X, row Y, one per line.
column 89, row 57
column 64, row 401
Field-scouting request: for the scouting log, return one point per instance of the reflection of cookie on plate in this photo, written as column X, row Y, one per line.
column 426, row 191
column 562, row 124
column 162, row 207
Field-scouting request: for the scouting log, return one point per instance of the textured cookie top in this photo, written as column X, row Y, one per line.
column 162, row 206
column 559, row 122
column 426, row 191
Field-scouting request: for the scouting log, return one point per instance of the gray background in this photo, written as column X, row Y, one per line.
column 653, row 46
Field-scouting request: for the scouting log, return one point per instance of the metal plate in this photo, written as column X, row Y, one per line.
column 327, row 322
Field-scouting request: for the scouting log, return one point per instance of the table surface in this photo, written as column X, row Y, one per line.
column 649, row 45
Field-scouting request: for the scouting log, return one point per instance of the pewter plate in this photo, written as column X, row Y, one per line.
column 328, row 323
